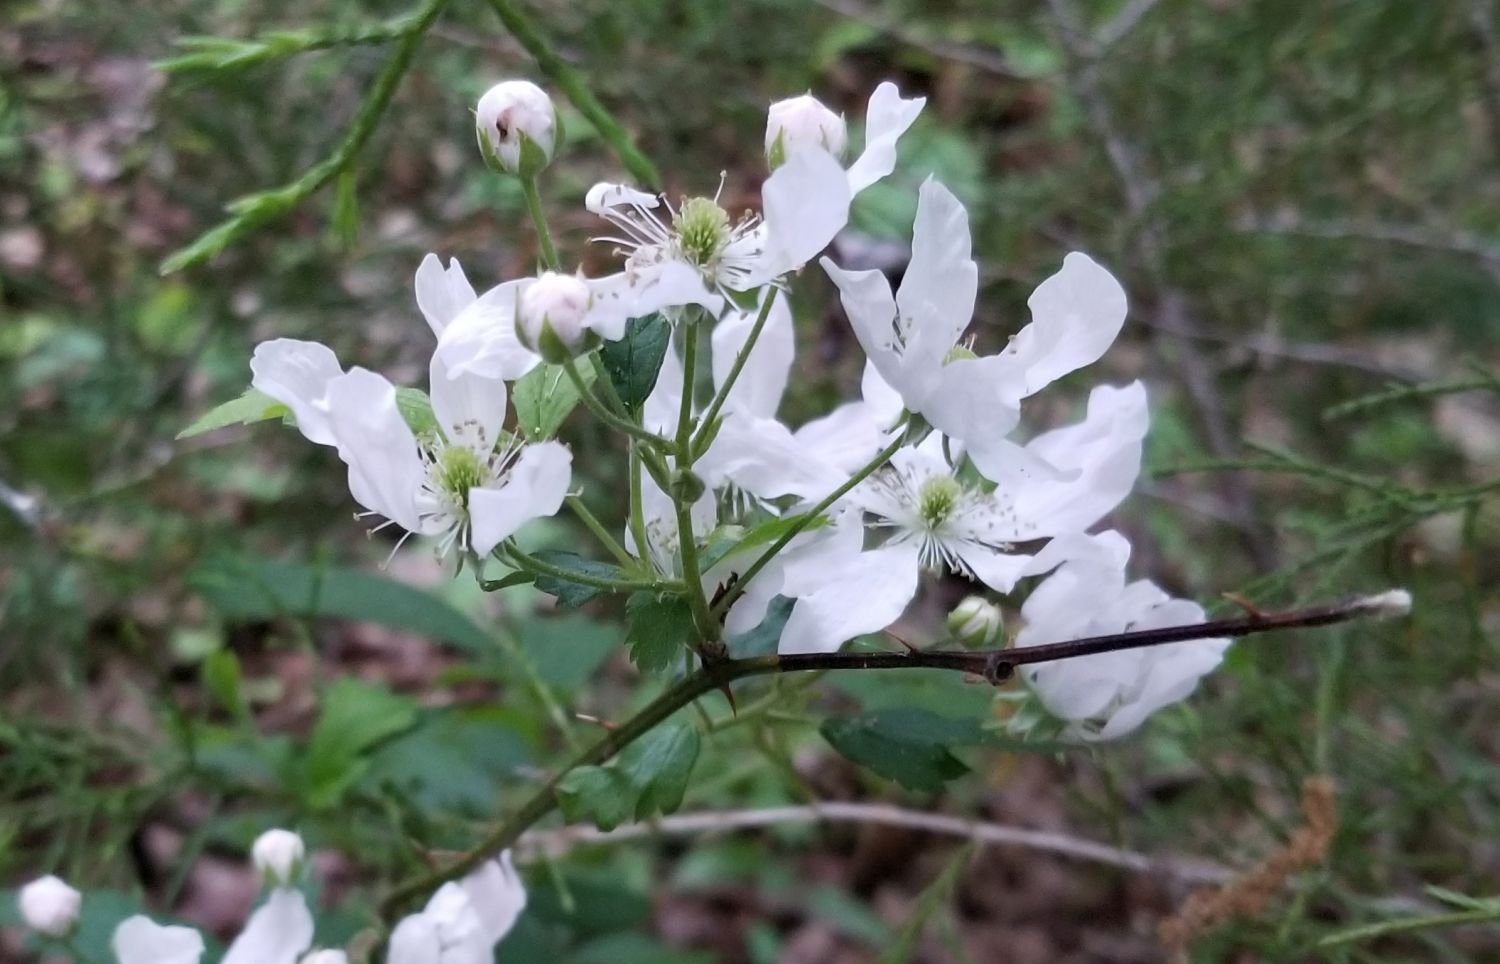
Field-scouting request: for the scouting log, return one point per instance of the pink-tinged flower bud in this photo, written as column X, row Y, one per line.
column 49, row 906
column 517, row 127
column 551, row 316
column 277, row 856
column 801, row 122
column 976, row 622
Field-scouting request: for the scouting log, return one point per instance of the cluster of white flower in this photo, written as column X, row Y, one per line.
column 921, row 474
column 461, row 924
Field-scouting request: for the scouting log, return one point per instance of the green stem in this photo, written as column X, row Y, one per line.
column 600, row 532
column 614, row 421
column 1406, row 925
column 524, row 560
column 637, row 509
column 722, row 395
column 570, row 81
column 994, row 666
column 539, row 221
column 807, row 518
column 222, row 54
column 259, row 209
column 687, row 539
column 607, row 385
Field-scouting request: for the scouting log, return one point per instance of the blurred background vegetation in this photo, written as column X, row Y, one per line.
column 196, row 641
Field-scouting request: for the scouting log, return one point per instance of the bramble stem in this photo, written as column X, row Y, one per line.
column 722, row 395
column 616, row 422
column 539, row 221
column 607, row 540
column 530, row 563
column 687, row 539
column 994, row 666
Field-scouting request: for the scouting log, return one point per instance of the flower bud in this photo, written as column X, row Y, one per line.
column 550, row 318
column 278, row 856
column 976, row 622
column 518, row 128
column 325, row 957
column 49, row 906
column 799, row 122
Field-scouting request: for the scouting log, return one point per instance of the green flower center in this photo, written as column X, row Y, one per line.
column 702, row 229
column 937, row 499
column 459, row 469
column 959, row 352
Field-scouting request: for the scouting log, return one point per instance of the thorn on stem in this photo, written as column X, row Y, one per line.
column 1252, row 610
column 605, row 725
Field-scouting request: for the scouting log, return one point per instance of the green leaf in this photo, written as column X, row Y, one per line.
column 356, row 717
column 221, row 675
column 253, row 406
column 602, row 795
column 762, row 640
column 246, row 589
column 907, row 746
column 571, row 595
column 454, row 758
column 634, row 361
column 344, row 223
column 658, row 766
column 544, row 397
column 658, row 630
column 565, row 650
column 416, row 409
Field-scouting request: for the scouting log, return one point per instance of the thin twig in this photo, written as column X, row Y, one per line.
column 1449, row 240
column 554, row 843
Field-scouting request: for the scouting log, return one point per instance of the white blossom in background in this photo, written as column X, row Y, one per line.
column 517, row 127
column 1109, row 695
column 140, row 940
column 49, row 906
column 914, row 338
column 804, row 203
column 467, row 484
column 278, row 932
column 325, row 957
column 800, row 122
column 464, row 920
column 277, row 856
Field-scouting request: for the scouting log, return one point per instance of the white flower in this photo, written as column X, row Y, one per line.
column 552, row 316
column 914, row 338
column 277, row 856
column 1107, row 696
column 804, row 203
column 976, row 621
column 325, row 957
column 463, row 921
column 49, row 906
column 800, row 122
column 140, row 940
column 517, row 127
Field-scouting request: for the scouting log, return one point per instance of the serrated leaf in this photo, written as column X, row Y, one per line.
column 658, row 766
column 634, row 361
column 544, row 397
column 247, row 589
column 253, row 406
column 571, row 595
column 600, row 795
column 907, row 746
column 658, row 630
column 356, row 717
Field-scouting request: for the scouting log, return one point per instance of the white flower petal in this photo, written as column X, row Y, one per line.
column 535, row 487
column 762, row 381
column 603, row 196
column 805, row 202
column 415, row 941
column 296, row 374
column 940, row 284
column 886, row 119
column 469, row 408
column 481, row 339
column 969, row 399
column 140, row 940
column 277, row 933
column 867, row 300
column 442, row 293
column 1076, row 315
column 497, row 894
column 642, row 291
column 386, row 472
column 864, row 594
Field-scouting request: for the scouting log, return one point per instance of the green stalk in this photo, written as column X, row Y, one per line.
column 722, row 395
column 687, row 539
column 604, row 415
column 524, row 560
column 539, row 221
column 602, row 534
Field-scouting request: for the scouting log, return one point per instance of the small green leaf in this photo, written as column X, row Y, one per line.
column 571, row 595
column 634, row 361
column 221, row 675
column 253, row 406
column 907, row 746
column 416, row 410
column 356, row 717
column 602, row 795
column 544, row 397
column 658, row 630
column 658, row 766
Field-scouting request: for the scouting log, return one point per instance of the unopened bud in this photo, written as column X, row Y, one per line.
column 687, row 486
column 550, row 318
column 976, row 622
column 799, row 122
column 277, row 856
column 518, row 128
column 49, row 906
